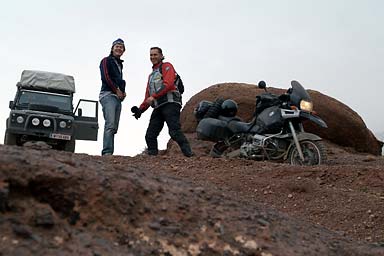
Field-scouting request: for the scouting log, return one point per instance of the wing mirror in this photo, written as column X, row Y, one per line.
column 79, row 112
column 262, row 85
column 11, row 104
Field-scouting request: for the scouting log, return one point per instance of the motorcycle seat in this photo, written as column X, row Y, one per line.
column 240, row 127
column 229, row 118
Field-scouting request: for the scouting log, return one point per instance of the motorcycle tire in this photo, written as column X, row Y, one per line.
column 314, row 153
column 215, row 153
column 215, row 109
column 218, row 149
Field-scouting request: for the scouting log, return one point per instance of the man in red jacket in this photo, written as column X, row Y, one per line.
column 162, row 94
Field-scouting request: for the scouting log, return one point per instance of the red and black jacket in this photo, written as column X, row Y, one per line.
column 161, row 86
column 111, row 74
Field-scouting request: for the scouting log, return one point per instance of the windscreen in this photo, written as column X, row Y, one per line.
column 298, row 93
column 30, row 99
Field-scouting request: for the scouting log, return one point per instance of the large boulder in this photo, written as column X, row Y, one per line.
column 345, row 127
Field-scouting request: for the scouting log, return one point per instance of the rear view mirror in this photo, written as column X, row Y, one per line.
column 262, row 84
column 11, row 104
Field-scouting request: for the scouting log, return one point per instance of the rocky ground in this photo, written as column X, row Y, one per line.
column 57, row 203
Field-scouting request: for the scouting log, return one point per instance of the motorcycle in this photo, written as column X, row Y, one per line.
column 275, row 133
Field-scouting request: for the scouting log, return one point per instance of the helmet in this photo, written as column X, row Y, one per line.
column 201, row 109
column 229, row 108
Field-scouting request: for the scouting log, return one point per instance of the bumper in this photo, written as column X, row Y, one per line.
column 41, row 135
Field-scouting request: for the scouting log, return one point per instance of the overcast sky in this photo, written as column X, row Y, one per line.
column 333, row 46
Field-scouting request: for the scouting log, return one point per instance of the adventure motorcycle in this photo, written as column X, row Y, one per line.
column 275, row 133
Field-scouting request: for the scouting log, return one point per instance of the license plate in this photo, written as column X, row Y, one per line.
column 60, row 136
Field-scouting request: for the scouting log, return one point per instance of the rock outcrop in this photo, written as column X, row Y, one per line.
column 345, row 127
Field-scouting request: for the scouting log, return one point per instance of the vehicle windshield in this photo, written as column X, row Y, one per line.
column 29, row 99
column 298, row 93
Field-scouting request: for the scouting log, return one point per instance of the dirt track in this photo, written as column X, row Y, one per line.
column 345, row 195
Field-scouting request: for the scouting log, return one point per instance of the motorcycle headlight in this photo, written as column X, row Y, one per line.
column 306, row 105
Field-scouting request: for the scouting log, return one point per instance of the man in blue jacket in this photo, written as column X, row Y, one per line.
column 112, row 93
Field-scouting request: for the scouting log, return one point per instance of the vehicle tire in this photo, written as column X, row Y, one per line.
column 214, row 110
column 70, row 146
column 218, row 149
column 215, row 153
column 10, row 139
column 313, row 151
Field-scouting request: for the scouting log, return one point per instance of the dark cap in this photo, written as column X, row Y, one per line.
column 118, row 41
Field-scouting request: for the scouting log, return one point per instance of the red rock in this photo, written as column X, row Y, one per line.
column 345, row 127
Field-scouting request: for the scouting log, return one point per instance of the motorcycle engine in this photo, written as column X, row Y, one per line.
column 252, row 148
column 259, row 147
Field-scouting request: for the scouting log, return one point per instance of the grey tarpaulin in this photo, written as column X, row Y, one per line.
column 46, row 80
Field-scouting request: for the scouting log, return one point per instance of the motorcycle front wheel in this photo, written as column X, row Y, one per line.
column 313, row 151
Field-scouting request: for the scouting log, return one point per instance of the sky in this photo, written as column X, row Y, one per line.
column 332, row 46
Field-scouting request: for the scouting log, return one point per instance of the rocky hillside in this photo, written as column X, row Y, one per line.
column 55, row 203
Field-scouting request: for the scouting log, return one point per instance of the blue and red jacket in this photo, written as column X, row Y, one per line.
column 111, row 70
column 161, row 86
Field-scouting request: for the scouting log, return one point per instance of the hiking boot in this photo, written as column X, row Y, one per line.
column 152, row 152
column 188, row 154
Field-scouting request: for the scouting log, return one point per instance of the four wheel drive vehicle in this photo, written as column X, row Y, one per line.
column 43, row 111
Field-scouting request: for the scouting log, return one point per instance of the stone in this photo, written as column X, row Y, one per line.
column 21, row 231
column 4, row 196
column 44, row 217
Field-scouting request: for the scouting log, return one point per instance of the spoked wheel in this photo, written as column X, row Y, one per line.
column 218, row 149
column 313, row 151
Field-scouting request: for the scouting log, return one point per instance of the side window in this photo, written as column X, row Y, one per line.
column 87, row 109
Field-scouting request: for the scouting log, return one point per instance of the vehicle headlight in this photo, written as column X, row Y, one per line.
column 63, row 124
column 20, row 119
column 306, row 105
column 35, row 121
column 46, row 123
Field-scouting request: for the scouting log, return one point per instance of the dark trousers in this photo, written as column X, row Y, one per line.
column 169, row 113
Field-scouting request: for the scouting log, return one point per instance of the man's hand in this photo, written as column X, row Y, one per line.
column 121, row 95
column 136, row 112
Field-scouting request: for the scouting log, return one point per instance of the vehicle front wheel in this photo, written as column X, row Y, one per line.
column 70, row 146
column 10, row 139
column 313, row 151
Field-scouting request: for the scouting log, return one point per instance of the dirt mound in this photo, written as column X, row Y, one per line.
column 345, row 127
column 61, row 203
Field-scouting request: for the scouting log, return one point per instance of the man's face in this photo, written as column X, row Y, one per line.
column 155, row 56
column 118, row 50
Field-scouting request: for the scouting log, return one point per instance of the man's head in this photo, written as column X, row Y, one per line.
column 118, row 48
column 156, row 55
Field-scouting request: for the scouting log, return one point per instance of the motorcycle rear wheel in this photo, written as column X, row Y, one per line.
column 313, row 151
